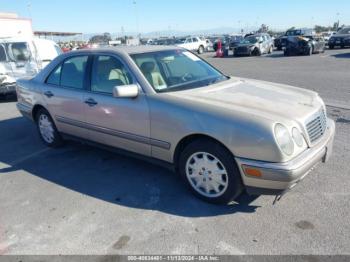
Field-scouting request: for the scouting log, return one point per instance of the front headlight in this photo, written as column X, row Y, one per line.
column 297, row 137
column 284, row 140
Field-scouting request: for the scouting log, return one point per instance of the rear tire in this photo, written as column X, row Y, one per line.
column 256, row 52
column 210, row 171
column 47, row 129
column 201, row 50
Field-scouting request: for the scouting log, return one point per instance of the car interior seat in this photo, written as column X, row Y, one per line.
column 109, row 73
column 153, row 77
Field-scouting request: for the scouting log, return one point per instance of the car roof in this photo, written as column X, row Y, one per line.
column 129, row 49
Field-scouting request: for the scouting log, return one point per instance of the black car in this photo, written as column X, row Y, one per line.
column 235, row 40
column 277, row 42
column 294, row 32
column 304, row 45
column 341, row 38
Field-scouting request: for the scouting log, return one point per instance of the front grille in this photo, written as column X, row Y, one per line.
column 338, row 39
column 317, row 126
column 242, row 49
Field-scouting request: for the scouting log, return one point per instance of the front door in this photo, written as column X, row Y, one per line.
column 64, row 92
column 117, row 122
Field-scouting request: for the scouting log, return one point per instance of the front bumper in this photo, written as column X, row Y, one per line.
column 296, row 50
column 7, row 88
column 242, row 51
column 339, row 42
column 25, row 110
column 276, row 178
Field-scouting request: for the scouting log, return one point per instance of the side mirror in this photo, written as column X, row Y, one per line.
column 126, row 91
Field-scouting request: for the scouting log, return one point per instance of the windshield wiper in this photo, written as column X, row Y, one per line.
column 217, row 80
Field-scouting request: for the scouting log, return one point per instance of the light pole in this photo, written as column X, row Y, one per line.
column 136, row 18
column 29, row 7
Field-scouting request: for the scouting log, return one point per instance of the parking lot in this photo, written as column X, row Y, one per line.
column 83, row 200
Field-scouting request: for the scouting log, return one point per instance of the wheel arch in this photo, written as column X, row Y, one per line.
column 36, row 109
column 181, row 145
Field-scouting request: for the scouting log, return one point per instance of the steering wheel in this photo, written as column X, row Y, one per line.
column 187, row 76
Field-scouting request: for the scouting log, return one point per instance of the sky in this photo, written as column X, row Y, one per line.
column 181, row 15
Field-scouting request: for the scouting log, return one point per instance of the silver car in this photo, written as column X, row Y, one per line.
column 255, row 45
column 222, row 134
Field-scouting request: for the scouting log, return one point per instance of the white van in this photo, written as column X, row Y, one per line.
column 23, row 57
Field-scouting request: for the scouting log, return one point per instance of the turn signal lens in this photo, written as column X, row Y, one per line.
column 252, row 172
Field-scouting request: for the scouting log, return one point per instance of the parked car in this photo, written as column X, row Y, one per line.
column 327, row 35
column 209, row 45
column 222, row 134
column 296, row 32
column 225, row 42
column 235, row 40
column 23, row 57
column 340, row 39
column 304, row 45
column 278, row 42
column 193, row 44
column 257, row 45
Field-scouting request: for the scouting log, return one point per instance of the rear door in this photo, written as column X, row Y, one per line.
column 188, row 43
column 64, row 92
column 195, row 44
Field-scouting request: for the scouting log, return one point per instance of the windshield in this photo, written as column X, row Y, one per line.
column 19, row 52
column 180, row 41
column 236, row 38
column 344, row 31
column 293, row 32
column 175, row 70
column 250, row 40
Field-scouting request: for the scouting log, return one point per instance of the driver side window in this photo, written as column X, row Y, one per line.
column 108, row 72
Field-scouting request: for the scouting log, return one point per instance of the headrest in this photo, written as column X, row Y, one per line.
column 148, row 67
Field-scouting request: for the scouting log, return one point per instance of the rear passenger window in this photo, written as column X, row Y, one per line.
column 69, row 74
column 54, row 78
column 72, row 73
column 2, row 54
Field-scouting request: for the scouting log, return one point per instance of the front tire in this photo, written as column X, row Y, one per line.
column 47, row 129
column 210, row 171
column 256, row 52
column 309, row 51
column 270, row 50
column 201, row 50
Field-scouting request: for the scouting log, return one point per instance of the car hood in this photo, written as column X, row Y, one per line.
column 263, row 99
column 245, row 45
column 340, row 35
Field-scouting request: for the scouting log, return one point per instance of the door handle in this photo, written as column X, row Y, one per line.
column 48, row 94
column 90, row 102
